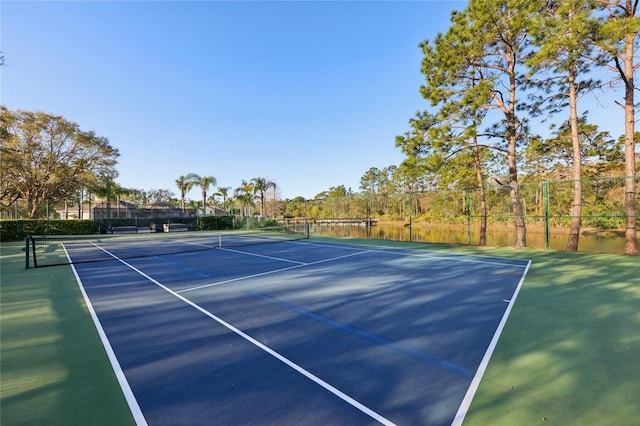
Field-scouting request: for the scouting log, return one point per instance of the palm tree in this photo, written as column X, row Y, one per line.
column 224, row 193
column 106, row 188
column 185, row 183
column 119, row 191
column 204, row 183
column 244, row 195
column 260, row 188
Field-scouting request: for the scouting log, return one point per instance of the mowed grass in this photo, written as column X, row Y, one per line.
column 569, row 354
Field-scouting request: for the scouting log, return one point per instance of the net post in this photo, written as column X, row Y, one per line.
column 306, row 230
column 26, row 251
column 220, row 240
column 467, row 201
column 545, row 192
column 33, row 249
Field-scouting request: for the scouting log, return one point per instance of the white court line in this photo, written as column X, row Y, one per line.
column 268, row 272
column 262, row 255
column 238, row 279
column 278, row 356
column 473, row 387
column 459, row 259
column 418, row 253
column 136, row 412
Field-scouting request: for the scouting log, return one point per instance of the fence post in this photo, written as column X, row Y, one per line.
column 26, row 251
column 48, row 220
column 545, row 195
column 410, row 217
column 367, row 215
column 468, row 206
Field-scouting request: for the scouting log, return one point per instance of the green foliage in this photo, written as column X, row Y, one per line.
column 269, row 222
column 602, row 199
column 45, row 157
column 16, row 230
column 604, row 216
column 210, row 223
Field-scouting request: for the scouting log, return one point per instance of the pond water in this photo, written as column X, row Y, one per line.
column 590, row 241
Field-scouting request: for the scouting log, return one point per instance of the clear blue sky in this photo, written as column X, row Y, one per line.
column 307, row 94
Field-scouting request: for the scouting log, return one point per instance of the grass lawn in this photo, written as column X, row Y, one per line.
column 569, row 354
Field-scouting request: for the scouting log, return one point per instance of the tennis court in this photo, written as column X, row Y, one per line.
column 299, row 332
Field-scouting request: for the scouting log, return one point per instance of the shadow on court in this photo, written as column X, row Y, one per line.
column 304, row 331
column 568, row 354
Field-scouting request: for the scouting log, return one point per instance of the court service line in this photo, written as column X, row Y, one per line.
column 475, row 383
column 267, row 272
column 420, row 253
column 363, row 408
column 198, row 287
column 458, row 258
column 262, row 255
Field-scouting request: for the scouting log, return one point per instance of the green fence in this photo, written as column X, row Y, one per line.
column 409, row 216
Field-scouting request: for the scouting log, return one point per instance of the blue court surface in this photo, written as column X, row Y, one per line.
column 301, row 332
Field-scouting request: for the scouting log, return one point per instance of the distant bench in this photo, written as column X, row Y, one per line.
column 129, row 230
column 174, row 227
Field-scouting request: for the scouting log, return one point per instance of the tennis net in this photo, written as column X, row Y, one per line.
column 65, row 250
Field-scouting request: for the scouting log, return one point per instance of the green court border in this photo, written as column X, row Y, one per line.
column 53, row 367
column 569, row 354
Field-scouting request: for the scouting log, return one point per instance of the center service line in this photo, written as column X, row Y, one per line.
column 262, row 346
column 273, row 271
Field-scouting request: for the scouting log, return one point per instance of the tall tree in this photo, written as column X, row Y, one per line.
column 107, row 189
column 157, row 196
column 185, row 184
column 244, row 196
column 492, row 37
column 370, row 184
column 204, row 182
column 137, row 196
column 565, row 57
column 447, row 143
column 224, row 193
column 619, row 43
column 44, row 157
column 370, row 181
column 260, row 187
column 597, row 149
column 473, row 68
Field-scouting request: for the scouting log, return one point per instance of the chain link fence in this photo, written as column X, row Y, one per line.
column 451, row 216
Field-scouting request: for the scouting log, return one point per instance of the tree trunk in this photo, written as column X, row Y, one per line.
column 483, row 201
column 631, row 235
column 514, row 192
column 31, row 208
column 576, row 208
